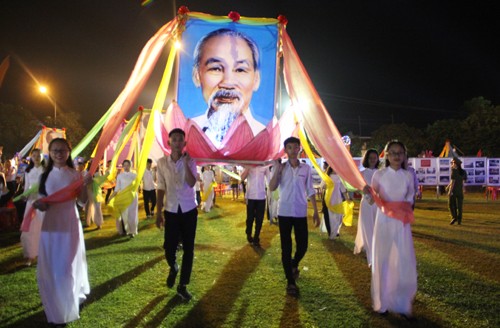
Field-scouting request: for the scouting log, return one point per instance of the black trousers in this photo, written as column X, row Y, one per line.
column 180, row 226
column 198, row 197
column 255, row 213
column 108, row 194
column 455, row 204
column 149, row 198
column 299, row 225
column 326, row 216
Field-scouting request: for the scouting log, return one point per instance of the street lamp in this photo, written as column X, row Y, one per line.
column 43, row 89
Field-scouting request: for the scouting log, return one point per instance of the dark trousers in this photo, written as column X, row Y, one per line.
column 108, row 194
column 255, row 212
column 299, row 225
column 149, row 198
column 4, row 199
column 198, row 197
column 326, row 217
column 180, row 226
column 455, row 203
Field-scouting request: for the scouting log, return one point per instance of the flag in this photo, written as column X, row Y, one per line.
column 3, row 68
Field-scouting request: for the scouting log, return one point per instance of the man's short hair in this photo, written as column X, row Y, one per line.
column 149, row 161
column 292, row 140
column 222, row 32
column 126, row 161
column 177, row 130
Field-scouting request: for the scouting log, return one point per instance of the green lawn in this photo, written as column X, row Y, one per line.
column 236, row 285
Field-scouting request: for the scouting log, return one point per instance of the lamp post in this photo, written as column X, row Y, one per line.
column 43, row 89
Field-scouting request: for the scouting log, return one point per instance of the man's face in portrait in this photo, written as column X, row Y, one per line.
column 227, row 75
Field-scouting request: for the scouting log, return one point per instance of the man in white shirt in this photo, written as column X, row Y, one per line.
column 256, row 200
column 176, row 177
column 295, row 182
column 149, row 189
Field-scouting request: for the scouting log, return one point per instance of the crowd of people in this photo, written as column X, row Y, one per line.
column 177, row 187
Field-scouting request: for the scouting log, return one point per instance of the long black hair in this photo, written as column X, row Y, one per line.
column 367, row 157
column 386, row 151
column 50, row 165
column 31, row 164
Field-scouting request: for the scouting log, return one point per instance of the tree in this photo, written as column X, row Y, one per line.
column 413, row 138
column 482, row 127
column 19, row 125
column 442, row 130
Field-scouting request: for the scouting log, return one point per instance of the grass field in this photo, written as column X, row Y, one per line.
column 236, row 285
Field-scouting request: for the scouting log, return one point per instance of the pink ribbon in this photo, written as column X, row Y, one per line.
column 69, row 192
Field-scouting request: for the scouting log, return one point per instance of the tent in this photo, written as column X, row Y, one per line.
column 449, row 150
column 41, row 140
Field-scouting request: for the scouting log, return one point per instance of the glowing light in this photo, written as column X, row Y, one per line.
column 43, row 89
column 177, row 45
column 346, row 140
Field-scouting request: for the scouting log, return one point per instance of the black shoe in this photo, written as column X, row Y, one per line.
column 292, row 290
column 256, row 242
column 171, row 276
column 183, row 293
column 250, row 239
column 296, row 273
column 453, row 221
column 408, row 317
column 384, row 314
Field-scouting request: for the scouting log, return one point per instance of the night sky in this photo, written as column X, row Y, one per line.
column 372, row 62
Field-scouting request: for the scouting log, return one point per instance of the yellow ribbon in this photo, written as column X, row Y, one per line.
column 125, row 197
column 345, row 207
column 242, row 20
column 204, row 195
column 230, row 173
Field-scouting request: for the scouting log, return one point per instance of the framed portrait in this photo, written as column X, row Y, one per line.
column 205, row 50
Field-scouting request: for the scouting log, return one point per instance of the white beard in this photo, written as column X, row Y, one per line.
column 220, row 120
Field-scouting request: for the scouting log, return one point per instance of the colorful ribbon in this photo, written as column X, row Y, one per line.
column 345, row 207
column 126, row 196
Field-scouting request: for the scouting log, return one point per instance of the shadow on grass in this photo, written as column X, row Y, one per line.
column 14, row 265
column 290, row 314
column 136, row 321
column 98, row 292
column 161, row 315
column 38, row 319
column 358, row 276
column 466, row 254
column 455, row 243
column 34, row 308
column 212, row 217
column 9, row 238
column 217, row 303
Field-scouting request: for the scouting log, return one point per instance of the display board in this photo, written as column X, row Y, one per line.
column 436, row 171
column 476, row 170
column 493, row 166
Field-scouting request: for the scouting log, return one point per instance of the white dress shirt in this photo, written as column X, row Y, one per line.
column 148, row 181
column 295, row 185
column 256, row 183
column 171, row 177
